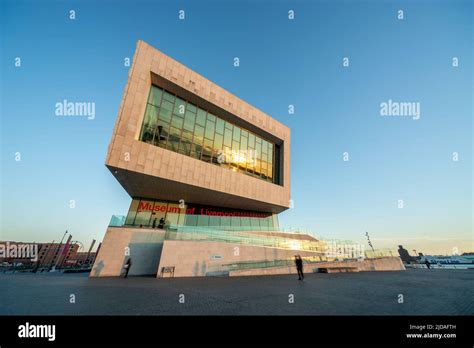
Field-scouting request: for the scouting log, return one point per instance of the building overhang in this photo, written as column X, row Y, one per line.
column 152, row 187
column 149, row 171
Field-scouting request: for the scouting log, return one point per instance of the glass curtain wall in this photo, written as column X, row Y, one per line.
column 148, row 213
column 177, row 125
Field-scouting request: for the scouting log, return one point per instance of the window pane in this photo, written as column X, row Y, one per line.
column 179, row 107
column 201, row 117
column 132, row 212
column 255, row 223
column 172, row 214
column 225, row 221
column 203, row 220
column 161, row 134
column 235, row 222
column 258, row 167
column 270, row 157
column 207, row 150
column 264, row 223
column 264, row 168
column 243, row 145
column 173, row 139
column 149, row 123
column 148, row 134
column 144, row 213
column 251, row 143
column 155, row 96
column 189, row 121
column 228, row 138
column 197, row 142
column 211, row 117
column 220, row 126
column 165, row 111
column 196, row 151
column 270, row 165
column 264, row 148
column 177, row 122
column 236, row 135
column 236, row 147
column 259, row 151
column 227, row 156
column 246, row 223
column 210, row 126
column 186, row 141
column 191, row 108
column 191, row 220
column 214, row 221
column 218, row 143
column 151, row 115
column 168, row 97
column 159, row 211
column 251, row 161
column 199, row 132
column 182, row 215
column 244, row 155
column 217, row 148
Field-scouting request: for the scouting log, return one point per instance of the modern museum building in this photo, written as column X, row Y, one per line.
column 207, row 175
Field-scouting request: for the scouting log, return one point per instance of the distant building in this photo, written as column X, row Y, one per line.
column 82, row 259
column 55, row 254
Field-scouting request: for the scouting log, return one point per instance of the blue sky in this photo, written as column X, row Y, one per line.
column 282, row 62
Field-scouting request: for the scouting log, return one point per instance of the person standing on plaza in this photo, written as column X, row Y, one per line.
column 127, row 266
column 299, row 266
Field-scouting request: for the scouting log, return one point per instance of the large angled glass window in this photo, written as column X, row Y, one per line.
column 173, row 123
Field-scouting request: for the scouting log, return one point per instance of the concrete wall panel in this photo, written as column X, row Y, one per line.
column 145, row 249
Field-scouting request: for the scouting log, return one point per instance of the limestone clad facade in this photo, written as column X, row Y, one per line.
column 145, row 170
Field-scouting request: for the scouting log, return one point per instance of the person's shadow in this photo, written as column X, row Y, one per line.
column 98, row 268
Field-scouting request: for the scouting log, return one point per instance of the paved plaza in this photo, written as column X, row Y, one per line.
column 425, row 292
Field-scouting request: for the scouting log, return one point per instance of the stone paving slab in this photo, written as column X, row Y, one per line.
column 425, row 292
